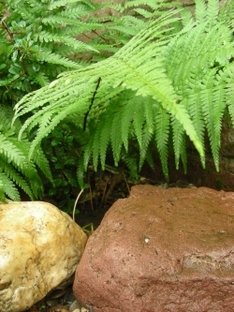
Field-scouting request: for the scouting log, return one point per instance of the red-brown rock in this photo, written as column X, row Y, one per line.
column 161, row 250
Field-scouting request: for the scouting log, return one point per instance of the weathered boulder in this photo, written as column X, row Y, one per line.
column 161, row 250
column 40, row 247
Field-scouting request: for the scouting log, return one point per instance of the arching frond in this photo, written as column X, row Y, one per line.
column 162, row 124
column 17, row 171
column 17, row 181
column 7, row 187
column 174, row 77
column 195, row 61
column 134, row 67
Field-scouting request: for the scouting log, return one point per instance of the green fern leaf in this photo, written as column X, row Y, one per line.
column 88, row 152
column 80, row 172
column 52, row 58
column 39, row 158
column 131, row 163
column 138, row 119
column 8, row 187
column 213, row 10
column 63, row 3
column 126, row 122
column 178, row 143
column 74, row 43
column 149, row 113
column 146, row 139
column 176, row 73
column 116, row 139
column 96, row 150
column 229, row 76
column 200, row 11
column 11, row 152
column 213, row 109
column 104, row 139
column 193, row 61
column 161, row 136
column 16, row 179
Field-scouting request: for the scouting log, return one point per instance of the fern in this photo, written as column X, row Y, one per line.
column 38, row 41
column 195, row 60
column 173, row 79
column 36, row 35
column 15, row 180
column 162, row 122
column 124, row 21
column 16, row 170
column 135, row 67
column 7, row 187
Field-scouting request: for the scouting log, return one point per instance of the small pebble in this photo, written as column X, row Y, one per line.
column 75, row 306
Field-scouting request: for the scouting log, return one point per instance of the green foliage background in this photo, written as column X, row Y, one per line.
column 150, row 75
column 37, row 40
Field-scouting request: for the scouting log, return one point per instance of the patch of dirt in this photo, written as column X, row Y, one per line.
column 59, row 300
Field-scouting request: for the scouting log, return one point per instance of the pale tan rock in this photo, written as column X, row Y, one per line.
column 40, row 247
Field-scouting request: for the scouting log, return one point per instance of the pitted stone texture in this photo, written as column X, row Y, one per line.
column 40, row 247
column 161, row 250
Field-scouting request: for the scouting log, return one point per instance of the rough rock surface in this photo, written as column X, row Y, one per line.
column 161, row 250
column 40, row 247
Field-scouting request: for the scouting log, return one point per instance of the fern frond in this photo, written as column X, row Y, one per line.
column 137, row 68
column 8, row 187
column 52, row 58
column 131, row 163
column 16, row 179
column 138, row 120
column 80, row 172
column 226, row 13
column 46, row 120
column 116, row 139
column 11, row 152
column 80, row 9
column 194, row 61
column 213, row 10
column 41, row 79
column 56, row 21
column 18, row 170
column 121, row 127
column 62, row 3
column 25, row 166
column 193, row 103
column 178, row 136
column 149, row 113
column 146, row 139
column 71, row 91
column 38, row 35
column 162, row 123
column 228, row 76
column 149, row 110
column 200, row 11
column 99, row 134
column 106, row 132
column 39, row 158
column 77, row 45
column 213, row 100
column 173, row 71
